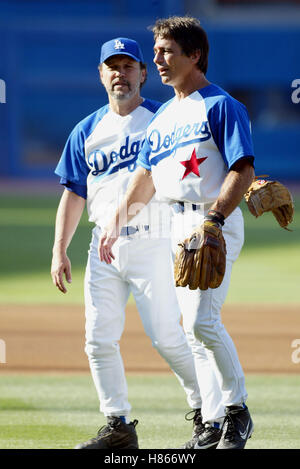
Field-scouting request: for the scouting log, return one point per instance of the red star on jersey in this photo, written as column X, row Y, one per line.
column 192, row 165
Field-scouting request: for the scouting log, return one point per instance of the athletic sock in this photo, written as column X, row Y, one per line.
column 123, row 418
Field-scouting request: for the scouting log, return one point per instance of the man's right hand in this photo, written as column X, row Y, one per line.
column 61, row 266
column 107, row 239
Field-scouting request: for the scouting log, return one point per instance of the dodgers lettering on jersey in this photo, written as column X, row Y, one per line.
column 102, row 164
column 191, row 144
column 100, row 157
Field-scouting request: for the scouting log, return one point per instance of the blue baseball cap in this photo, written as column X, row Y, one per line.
column 123, row 46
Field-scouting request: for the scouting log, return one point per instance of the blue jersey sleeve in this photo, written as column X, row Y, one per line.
column 72, row 165
column 73, row 187
column 230, row 126
column 143, row 157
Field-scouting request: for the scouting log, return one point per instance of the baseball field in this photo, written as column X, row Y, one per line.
column 47, row 398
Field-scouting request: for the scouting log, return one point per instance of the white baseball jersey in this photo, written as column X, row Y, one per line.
column 192, row 142
column 100, row 158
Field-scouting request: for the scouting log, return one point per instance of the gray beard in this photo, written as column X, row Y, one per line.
column 119, row 96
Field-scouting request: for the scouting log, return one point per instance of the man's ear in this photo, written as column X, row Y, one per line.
column 100, row 73
column 195, row 56
column 144, row 75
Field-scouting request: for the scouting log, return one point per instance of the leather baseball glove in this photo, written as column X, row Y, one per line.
column 265, row 196
column 200, row 259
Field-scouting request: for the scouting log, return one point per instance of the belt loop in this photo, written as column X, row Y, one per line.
column 178, row 207
column 181, row 207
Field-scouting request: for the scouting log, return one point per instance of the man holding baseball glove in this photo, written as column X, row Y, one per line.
column 198, row 156
column 97, row 164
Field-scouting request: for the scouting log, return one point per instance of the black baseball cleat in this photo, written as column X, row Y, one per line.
column 209, row 438
column 115, row 435
column 237, row 428
column 198, row 428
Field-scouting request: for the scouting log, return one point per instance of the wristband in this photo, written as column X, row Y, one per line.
column 215, row 217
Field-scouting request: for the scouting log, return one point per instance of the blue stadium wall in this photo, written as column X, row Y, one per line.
column 49, row 58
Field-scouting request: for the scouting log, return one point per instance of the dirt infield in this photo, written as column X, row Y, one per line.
column 51, row 338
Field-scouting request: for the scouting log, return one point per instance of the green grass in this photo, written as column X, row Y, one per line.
column 266, row 271
column 26, row 240
column 56, row 411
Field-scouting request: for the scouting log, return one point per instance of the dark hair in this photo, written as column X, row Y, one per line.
column 188, row 33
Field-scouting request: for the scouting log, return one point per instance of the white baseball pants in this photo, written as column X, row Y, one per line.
column 220, row 375
column 144, row 267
